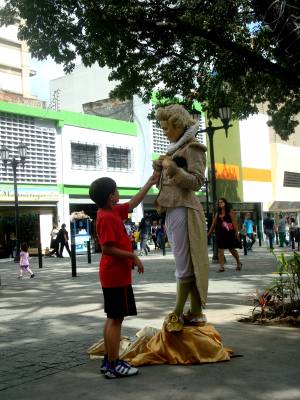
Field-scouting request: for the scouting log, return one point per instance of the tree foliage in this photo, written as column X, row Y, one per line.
column 213, row 51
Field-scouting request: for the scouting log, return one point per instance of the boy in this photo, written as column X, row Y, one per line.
column 115, row 268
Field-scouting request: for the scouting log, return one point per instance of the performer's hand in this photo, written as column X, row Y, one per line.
column 170, row 166
column 137, row 262
column 157, row 164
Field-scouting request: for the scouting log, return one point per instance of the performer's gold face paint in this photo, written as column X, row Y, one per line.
column 173, row 133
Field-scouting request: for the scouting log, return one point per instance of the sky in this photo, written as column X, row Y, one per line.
column 45, row 71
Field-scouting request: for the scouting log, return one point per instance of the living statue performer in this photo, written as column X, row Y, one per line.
column 184, row 338
column 181, row 174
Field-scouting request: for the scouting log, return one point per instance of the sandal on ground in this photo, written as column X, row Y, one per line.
column 239, row 267
column 221, row 270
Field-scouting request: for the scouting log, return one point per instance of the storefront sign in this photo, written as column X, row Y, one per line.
column 29, row 194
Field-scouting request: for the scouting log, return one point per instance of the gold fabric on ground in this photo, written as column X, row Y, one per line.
column 193, row 345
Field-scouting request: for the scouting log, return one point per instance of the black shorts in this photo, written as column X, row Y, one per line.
column 119, row 302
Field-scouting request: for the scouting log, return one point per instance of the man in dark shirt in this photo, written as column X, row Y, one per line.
column 63, row 240
column 269, row 229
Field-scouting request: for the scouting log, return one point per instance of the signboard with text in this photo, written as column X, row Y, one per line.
column 28, row 194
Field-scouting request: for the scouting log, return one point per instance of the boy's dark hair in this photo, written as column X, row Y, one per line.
column 100, row 190
column 24, row 247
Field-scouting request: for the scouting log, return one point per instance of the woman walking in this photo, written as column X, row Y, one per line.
column 227, row 233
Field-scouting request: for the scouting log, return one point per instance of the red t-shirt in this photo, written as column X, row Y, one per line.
column 114, row 271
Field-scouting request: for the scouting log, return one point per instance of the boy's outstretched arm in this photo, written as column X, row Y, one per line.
column 138, row 198
column 111, row 250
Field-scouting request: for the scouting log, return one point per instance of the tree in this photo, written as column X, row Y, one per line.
column 213, row 51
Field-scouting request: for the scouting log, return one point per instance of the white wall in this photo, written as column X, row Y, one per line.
column 254, row 137
column 145, row 146
column 10, row 55
column 286, row 158
column 46, row 228
column 9, row 32
column 255, row 153
column 83, row 85
column 10, row 82
column 13, row 54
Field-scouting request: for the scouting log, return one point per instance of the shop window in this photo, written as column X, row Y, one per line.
column 119, row 159
column 85, row 156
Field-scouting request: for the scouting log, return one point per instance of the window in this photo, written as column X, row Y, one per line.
column 85, row 156
column 119, row 158
column 291, row 179
column 39, row 135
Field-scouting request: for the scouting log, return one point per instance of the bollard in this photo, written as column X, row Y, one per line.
column 245, row 244
column 73, row 260
column 259, row 238
column 88, row 244
column 163, row 246
column 40, row 255
column 215, row 257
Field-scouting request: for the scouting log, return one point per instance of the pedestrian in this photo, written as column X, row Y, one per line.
column 249, row 227
column 24, row 261
column 153, row 234
column 269, row 229
column 182, row 172
column 282, row 231
column 160, row 235
column 12, row 244
column 292, row 232
column 144, row 235
column 54, row 245
column 63, row 240
column 227, row 233
column 137, row 237
column 115, row 268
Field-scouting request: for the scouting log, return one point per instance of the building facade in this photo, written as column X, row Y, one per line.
column 66, row 152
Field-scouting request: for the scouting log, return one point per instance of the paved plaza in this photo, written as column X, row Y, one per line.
column 48, row 323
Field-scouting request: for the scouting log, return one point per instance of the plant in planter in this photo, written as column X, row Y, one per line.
column 281, row 299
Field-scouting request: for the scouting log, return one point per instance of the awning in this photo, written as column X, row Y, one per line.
column 285, row 206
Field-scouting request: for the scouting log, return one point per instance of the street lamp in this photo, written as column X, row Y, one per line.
column 225, row 116
column 4, row 155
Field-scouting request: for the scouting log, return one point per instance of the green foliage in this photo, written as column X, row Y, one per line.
column 211, row 51
column 29, row 228
column 282, row 297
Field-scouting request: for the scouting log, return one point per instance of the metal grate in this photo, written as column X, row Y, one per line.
column 119, row 159
column 86, row 156
column 40, row 166
column 291, row 179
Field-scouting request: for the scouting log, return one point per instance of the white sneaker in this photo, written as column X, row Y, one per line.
column 195, row 318
column 121, row 370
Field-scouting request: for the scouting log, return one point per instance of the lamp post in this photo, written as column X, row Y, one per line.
column 4, row 155
column 225, row 115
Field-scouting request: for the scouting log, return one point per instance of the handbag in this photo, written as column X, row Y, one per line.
column 237, row 244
